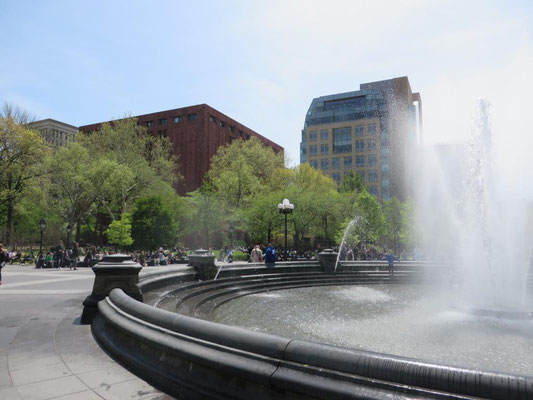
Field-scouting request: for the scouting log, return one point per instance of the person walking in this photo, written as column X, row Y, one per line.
column 256, row 255
column 4, row 259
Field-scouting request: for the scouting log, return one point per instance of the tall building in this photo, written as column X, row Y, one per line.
column 371, row 131
column 55, row 132
column 196, row 133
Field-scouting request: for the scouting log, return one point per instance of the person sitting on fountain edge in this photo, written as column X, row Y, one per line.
column 390, row 258
column 270, row 256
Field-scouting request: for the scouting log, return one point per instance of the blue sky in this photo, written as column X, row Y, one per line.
column 262, row 62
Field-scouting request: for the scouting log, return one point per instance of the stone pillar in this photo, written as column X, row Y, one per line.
column 114, row 271
column 204, row 264
column 328, row 259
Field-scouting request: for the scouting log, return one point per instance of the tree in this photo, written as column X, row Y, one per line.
column 395, row 217
column 352, row 182
column 131, row 164
column 370, row 221
column 207, row 211
column 22, row 151
column 152, row 225
column 239, row 170
column 119, row 231
column 71, row 171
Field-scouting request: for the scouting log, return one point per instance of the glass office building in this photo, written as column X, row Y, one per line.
column 371, row 131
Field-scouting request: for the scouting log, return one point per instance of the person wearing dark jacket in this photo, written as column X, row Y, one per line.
column 270, row 256
column 4, row 258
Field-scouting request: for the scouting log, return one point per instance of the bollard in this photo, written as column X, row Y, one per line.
column 328, row 259
column 114, row 271
column 204, row 264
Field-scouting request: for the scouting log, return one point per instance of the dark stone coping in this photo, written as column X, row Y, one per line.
column 185, row 355
column 197, row 358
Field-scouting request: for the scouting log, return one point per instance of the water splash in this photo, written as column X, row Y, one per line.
column 347, row 231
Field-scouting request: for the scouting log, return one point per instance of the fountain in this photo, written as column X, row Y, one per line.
column 332, row 329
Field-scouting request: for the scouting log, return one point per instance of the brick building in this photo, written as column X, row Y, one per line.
column 196, row 132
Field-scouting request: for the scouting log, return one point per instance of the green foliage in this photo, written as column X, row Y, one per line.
column 207, row 212
column 239, row 170
column 152, row 225
column 21, row 153
column 352, row 182
column 369, row 224
column 119, row 231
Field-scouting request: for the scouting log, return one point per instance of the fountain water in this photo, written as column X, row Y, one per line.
column 482, row 230
column 347, row 232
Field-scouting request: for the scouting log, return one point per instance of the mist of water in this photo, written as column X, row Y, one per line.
column 467, row 217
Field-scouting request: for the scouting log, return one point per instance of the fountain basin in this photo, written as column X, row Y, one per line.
column 185, row 355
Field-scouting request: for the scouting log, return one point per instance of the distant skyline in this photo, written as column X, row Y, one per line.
column 262, row 62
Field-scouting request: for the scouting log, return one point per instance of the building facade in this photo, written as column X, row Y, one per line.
column 195, row 133
column 371, row 131
column 55, row 132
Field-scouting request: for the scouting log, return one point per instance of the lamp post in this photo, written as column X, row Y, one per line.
column 285, row 207
column 42, row 227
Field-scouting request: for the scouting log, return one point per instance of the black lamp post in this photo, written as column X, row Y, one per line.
column 285, row 207
column 42, row 227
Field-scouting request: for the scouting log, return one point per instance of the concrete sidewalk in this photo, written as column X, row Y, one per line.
column 44, row 352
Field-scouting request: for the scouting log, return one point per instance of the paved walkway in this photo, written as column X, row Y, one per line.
column 44, row 352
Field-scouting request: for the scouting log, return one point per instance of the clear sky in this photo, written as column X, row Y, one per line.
column 262, row 62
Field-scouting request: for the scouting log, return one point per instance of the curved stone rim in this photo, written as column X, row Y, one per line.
column 262, row 363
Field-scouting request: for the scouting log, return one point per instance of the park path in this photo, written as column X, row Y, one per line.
column 45, row 353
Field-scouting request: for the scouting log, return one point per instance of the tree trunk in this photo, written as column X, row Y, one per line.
column 9, row 222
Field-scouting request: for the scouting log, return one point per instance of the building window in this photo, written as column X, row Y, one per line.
column 312, row 136
column 324, row 164
column 177, row 119
column 371, row 128
column 324, row 135
column 359, row 130
column 359, row 161
column 359, row 145
column 372, row 176
column 304, row 136
column 231, row 128
column 149, row 124
column 163, row 122
column 222, row 124
column 313, row 163
column 371, row 145
column 212, row 118
column 240, row 132
column 336, row 177
column 324, row 148
column 362, row 173
column 191, row 117
column 335, row 163
column 162, row 133
column 373, row 189
column 348, row 162
column 303, row 150
column 372, row 160
column 313, row 150
column 342, row 140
